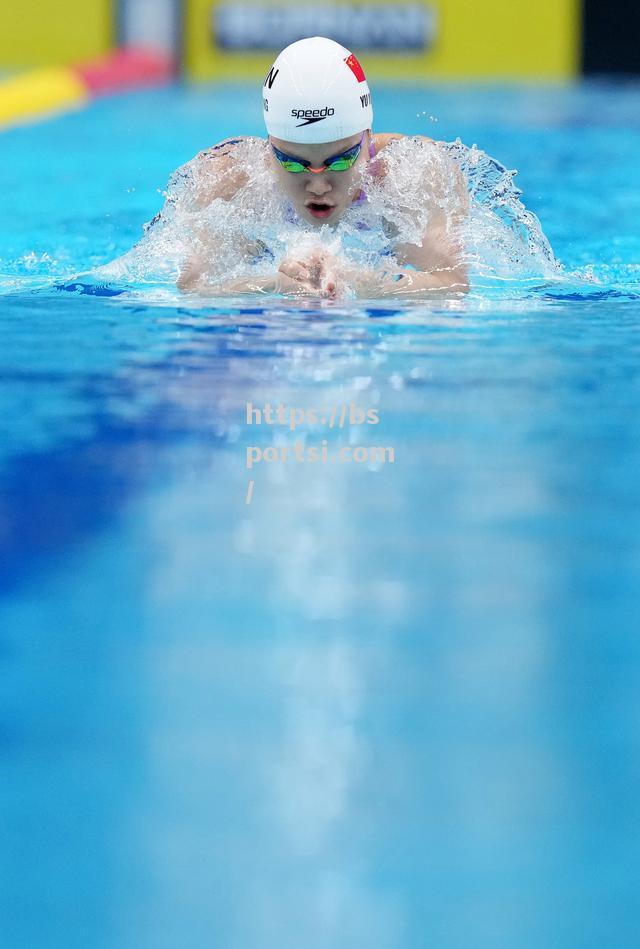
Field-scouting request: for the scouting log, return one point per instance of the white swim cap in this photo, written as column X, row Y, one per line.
column 316, row 92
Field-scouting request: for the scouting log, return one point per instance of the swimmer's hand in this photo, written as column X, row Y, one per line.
column 317, row 273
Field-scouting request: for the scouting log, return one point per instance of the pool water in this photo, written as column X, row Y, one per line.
column 380, row 705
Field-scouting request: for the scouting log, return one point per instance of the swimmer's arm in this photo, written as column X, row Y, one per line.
column 439, row 262
column 194, row 278
column 195, row 270
column 270, row 283
column 439, row 267
column 193, row 274
column 439, row 258
column 411, row 284
column 434, row 269
column 213, row 175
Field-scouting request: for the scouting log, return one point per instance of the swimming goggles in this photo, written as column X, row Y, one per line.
column 340, row 162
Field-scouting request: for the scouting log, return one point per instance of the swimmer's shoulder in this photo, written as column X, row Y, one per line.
column 449, row 170
column 225, row 148
column 219, row 170
column 382, row 139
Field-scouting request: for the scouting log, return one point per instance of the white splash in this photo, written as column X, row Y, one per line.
column 256, row 228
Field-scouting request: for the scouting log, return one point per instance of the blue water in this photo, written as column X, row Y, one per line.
column 378, row 706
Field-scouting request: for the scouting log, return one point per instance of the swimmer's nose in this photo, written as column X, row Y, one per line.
column 318, row 185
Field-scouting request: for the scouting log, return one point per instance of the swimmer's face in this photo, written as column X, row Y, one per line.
column 320, row 198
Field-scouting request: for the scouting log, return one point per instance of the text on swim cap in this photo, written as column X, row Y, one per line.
column 271, row 77
column 312, row 113
column 365, row 100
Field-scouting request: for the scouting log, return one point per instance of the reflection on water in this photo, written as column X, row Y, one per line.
column 376, row 703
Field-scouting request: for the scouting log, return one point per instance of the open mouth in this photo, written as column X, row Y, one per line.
column 320, row 208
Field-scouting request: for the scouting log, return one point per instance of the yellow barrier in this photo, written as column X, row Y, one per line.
column 441, row 39
column 38, row 92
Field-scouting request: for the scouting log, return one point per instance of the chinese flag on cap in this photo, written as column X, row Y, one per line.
column 355, row 68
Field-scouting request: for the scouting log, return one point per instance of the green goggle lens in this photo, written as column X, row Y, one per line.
column 294, row 166
column 341, row 164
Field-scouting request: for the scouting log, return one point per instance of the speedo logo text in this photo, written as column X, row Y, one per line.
column 312, row 115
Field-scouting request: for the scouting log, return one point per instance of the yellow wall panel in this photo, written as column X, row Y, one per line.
column 54, row 32
column 487, row 39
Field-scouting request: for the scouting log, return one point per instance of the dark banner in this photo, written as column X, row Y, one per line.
column 611, row 37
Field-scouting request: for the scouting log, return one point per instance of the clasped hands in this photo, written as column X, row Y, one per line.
column 318, row 274
column 315, row 272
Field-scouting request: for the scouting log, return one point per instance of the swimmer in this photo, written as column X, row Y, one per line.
column 318, row 115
